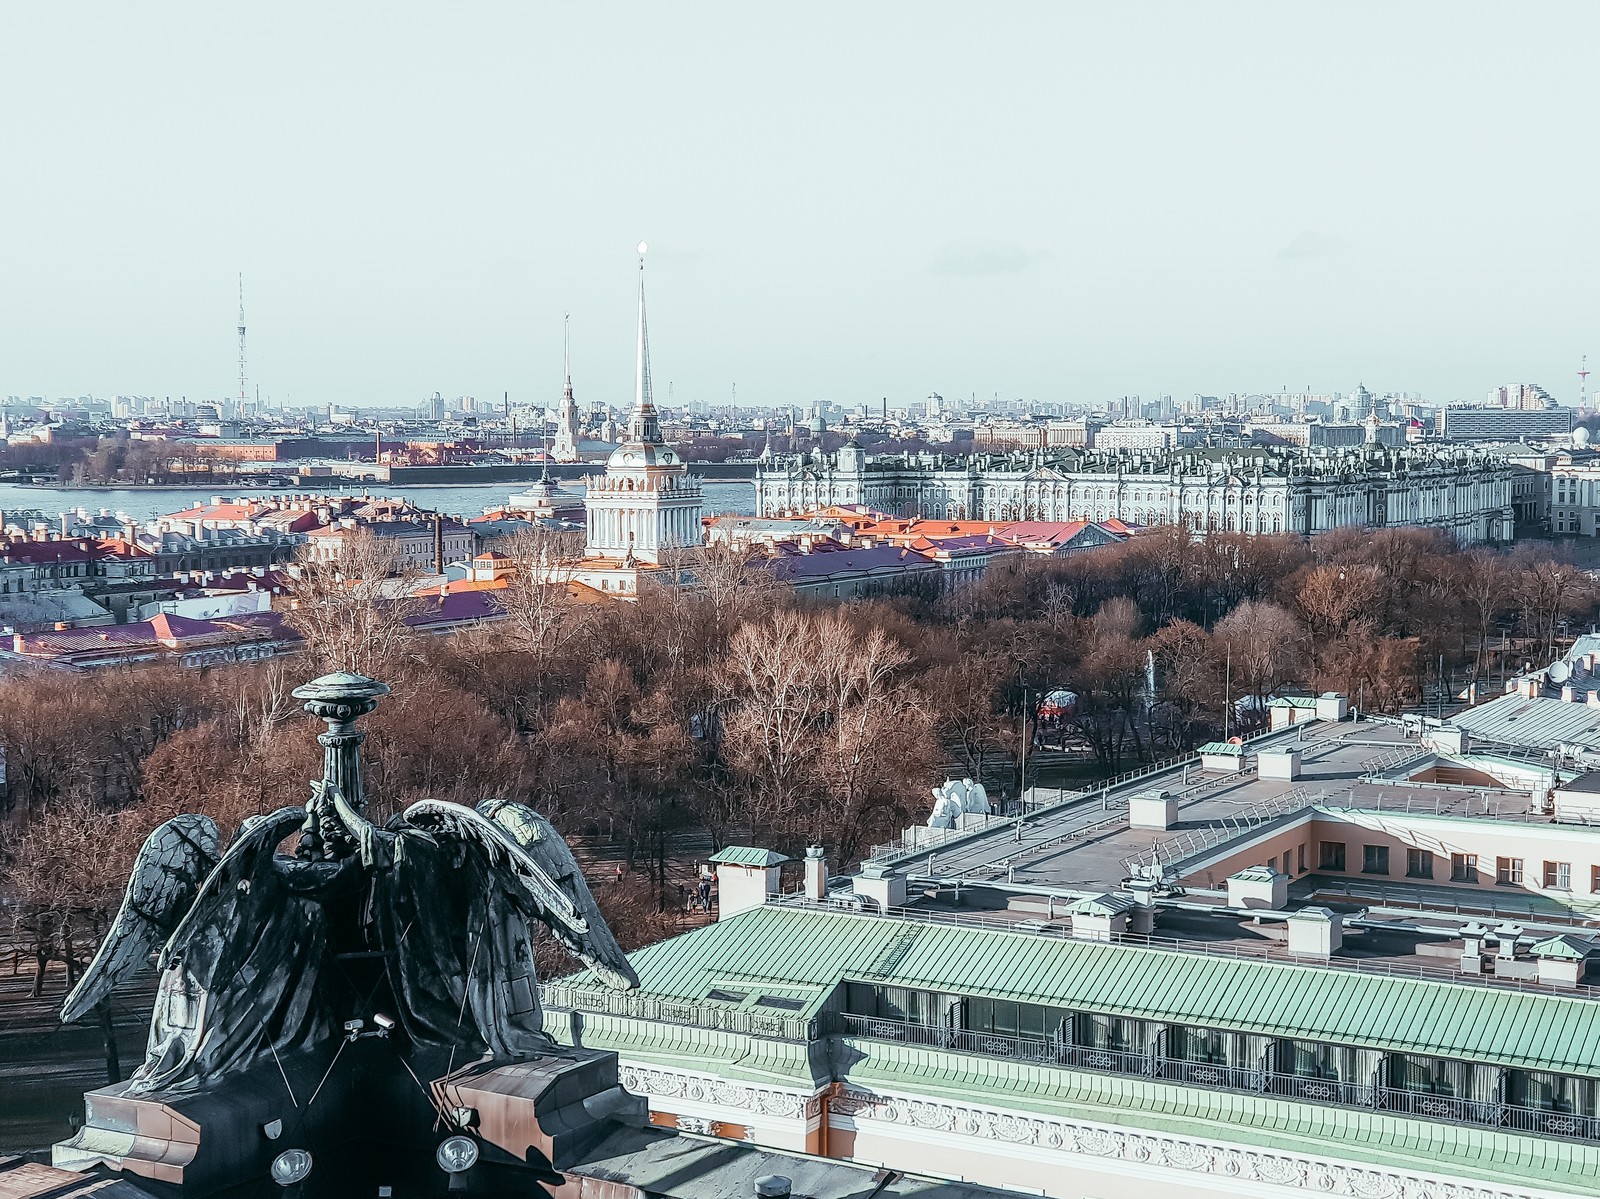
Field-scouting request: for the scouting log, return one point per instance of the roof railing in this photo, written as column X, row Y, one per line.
column 902, row 847
column 1166, row 856
column 1269, row 952
column 603, row 1001
column 1060, row 1052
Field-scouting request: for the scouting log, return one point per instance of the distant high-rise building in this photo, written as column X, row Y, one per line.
column 1504, row 424
column 1525, row 397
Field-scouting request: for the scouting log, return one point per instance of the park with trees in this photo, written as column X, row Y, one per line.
column 722, row 708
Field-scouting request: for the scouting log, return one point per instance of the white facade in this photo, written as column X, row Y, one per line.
column 1575, row 494
column 1463, row 493
column 564, row 448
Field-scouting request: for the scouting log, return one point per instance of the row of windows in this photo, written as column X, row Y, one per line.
column 1417, row 1073
column 1423, row 863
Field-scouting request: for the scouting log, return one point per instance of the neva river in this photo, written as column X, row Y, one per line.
column 735, row 496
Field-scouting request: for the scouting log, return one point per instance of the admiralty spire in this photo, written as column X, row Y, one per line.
column 646, row 504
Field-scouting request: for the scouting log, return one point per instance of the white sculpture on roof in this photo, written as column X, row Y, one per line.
column 952, row 800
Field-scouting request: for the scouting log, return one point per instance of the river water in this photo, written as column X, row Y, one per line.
column 735, row 496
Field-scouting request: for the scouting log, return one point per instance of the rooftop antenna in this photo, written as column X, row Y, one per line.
column 243, row 394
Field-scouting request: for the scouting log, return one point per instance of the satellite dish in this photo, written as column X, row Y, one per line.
column 642, row 249
column 1559, row 672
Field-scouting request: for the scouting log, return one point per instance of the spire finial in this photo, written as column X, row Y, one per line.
column 642, row 424
column 566, row 349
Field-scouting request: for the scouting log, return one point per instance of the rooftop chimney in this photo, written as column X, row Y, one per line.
column 773, row 1186
column 816, row 874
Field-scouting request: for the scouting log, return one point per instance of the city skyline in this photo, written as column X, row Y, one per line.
column 1060, row 204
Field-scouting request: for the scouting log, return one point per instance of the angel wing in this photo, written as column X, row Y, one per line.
column 556, row 904
column 538, row 838
column 256, row 835
column 172, row 863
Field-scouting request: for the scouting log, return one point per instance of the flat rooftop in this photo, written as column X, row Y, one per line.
column 1368, row 786
column 1084, row 844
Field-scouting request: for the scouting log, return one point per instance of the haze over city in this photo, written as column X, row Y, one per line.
column 1056, row 202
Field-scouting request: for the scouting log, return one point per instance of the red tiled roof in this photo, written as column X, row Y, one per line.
column 1056, row 532
column 158, row 633
column 75, row 549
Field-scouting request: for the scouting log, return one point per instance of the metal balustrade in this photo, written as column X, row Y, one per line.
column 1165, row 856
column 1452, row 1109
column 903, row 847
column 756, row 1022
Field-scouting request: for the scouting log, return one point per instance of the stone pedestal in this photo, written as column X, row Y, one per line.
column 207, row 1141
column 550, row 1110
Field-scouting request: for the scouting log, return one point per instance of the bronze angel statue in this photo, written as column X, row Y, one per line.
column 429, row 920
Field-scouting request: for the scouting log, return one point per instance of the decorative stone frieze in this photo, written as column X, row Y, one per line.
column 1319, row 1176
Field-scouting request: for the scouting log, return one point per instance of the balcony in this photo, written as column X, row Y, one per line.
column 1214, row 1076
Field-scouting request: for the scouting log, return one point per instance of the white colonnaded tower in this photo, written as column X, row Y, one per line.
column 646, row 504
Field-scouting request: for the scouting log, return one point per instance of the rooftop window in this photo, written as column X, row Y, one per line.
column 781, row 1002
column 1419, row 1084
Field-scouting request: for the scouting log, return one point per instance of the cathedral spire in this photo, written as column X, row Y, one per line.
column 642, row 423
column 566, row 351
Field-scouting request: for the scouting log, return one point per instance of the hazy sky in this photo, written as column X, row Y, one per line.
column 1062, row 201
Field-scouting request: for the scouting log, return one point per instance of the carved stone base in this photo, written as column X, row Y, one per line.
column 549, row 1110
column 221, row 1137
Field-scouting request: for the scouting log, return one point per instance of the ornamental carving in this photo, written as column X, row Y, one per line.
column 1315, row 1175
column 673, row 1084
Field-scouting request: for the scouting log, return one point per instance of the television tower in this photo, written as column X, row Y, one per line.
column 1583, row 382
column 242, row 392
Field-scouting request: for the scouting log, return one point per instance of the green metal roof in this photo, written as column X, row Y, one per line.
column 1292, row 701
column 1566, row 946
column 1479, row 1022
column 1221, row 747
column 745, row 855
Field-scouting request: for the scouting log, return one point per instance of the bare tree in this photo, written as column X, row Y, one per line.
column 539, row 608
column 352, row 607
column 1548, row 591
column 777, row 691
column 1263, row 642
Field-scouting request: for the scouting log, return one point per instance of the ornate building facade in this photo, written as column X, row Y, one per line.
column 1462, row 492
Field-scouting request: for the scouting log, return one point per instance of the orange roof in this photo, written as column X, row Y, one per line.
column 850, row 514
column 456, row 586
column 229, row 510
column 903, row 531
